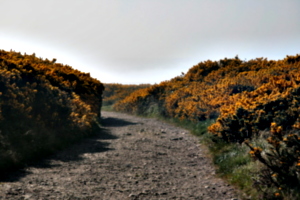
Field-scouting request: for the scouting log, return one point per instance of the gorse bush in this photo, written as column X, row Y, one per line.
column 43, row 105
column 279, row 178
column 115, row 92
column 276, row 101
column 245, row 98
column 210, row 88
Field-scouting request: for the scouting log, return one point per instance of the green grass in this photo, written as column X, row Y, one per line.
column 198, row 129
column 235, row 165
column 107, row 108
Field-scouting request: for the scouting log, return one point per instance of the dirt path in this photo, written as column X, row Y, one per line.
column 136, row 158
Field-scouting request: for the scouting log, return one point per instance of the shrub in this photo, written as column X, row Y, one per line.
column 279, row 178
column 42, row 108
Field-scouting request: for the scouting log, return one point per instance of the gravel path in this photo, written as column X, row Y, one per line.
column 133, row 158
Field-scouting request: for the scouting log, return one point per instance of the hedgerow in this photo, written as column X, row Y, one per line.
column 245, row 98
column 43, row 106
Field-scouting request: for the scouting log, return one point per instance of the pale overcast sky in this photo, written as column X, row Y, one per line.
column 149, row 41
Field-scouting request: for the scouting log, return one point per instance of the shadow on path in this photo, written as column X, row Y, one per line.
column 115, row 122
column 94, row 144
column 97, row 143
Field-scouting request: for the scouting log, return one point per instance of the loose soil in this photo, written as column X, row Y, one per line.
column 131, row 158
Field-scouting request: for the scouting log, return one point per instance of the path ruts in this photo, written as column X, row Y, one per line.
column 133, row 158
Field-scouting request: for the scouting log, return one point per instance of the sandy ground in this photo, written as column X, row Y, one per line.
column 132, row 158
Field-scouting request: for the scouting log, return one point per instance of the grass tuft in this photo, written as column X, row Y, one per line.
column 108, row 108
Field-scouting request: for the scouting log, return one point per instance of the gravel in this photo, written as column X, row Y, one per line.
column 131, row 158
